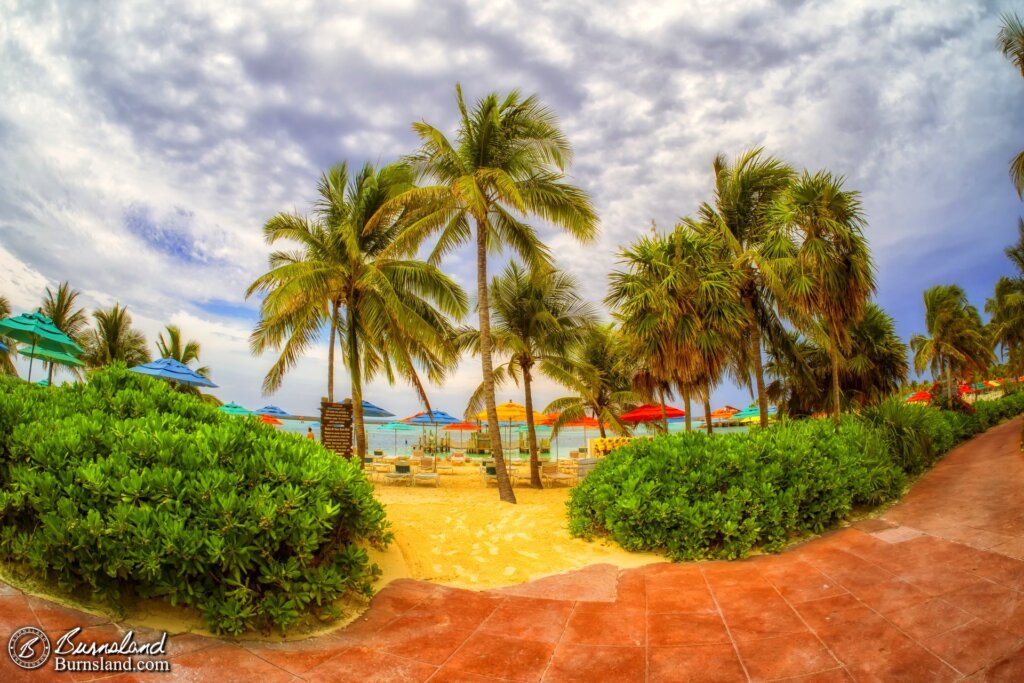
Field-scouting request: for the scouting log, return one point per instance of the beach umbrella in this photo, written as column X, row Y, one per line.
column 173, row 371
column 919, row 397
column 436, row 418
column 235, row 409
column 272, row 411
column 585, row 422
column 651, row 413
column 510, row 413
column 370, row 410
column 49, row 356
column 461, row 427
column 270, row 420
column 724, row 413
column 396, row 427
column 39, row 331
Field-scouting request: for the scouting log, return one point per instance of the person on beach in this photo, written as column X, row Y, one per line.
column 309, row 433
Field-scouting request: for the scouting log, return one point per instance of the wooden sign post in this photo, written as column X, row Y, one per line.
column 336, row 426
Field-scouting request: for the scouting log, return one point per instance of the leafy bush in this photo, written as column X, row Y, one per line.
column 916, row 435
column 123, row 485
column 693, row 496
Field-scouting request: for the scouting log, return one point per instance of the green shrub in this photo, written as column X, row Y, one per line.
column 693, row 496
column 915, row 434
column 123, row 485
column 992, row 412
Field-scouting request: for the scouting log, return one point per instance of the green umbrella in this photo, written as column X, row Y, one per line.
column 58, row 357
column 39, row 331
column 397, row 427
column 235, row 409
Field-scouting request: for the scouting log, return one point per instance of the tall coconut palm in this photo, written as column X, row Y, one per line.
column 599, row 371
column 536, row 316
column 831, row 278
column 391, row 315
column 59, row 306
column 7, row 357
column 1006, row 307
column 678, row 306
column 874, row 367
column 114, row 339
column 740, row 218
column 956, row 339
column 507, row 163
column 1011, row 43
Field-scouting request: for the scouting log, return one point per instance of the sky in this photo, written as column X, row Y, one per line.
column 145, row 144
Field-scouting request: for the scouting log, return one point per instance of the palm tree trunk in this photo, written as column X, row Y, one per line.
column 600, row 427
column 664, row 414
column 505, row 491
column 49, row 375
column 531, row 428
column 686, row 398
column 755, row 347
column 330, row 352
column 835, row 382
column 355, row 372
column 707, row 408
column 949, row 382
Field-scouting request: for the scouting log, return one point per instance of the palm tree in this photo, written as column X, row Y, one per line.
column 59, row 306
column 678, row 306
column 956, row 339
column 114, row 339
column 7, row 357
column 1006, row 307
column 536, row 316
column 599, row 371
column 755, row 246
column 1011, row 43
column 831, row 278
column 390, row 314
column 507, row 163
column 875, row 367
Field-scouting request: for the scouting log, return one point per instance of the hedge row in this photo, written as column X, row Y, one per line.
column 124, row 485
column 696, row 497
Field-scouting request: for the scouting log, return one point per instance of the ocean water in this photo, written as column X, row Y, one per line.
column 403, row 442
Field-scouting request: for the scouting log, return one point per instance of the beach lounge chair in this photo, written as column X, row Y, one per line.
column 488, row 473
column 549, row 472
column 401, row 475
column 378, row 452
column 444, row 466
column 427, row 475
column 458, row 458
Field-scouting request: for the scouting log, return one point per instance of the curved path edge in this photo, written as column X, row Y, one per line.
column 933, row 590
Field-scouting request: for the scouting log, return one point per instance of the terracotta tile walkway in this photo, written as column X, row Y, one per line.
column 932, row 591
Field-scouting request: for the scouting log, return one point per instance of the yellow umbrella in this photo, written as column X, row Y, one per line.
column 510, row 412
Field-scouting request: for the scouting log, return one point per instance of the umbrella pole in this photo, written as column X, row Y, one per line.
column 30, row 359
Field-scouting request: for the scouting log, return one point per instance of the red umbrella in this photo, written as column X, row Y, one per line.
column 461, row 427
column 651, row 413
column 269, row 420
column 919, row 397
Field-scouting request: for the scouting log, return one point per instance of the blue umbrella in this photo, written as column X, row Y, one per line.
column 170, row 369
column 370, row 410
column 272, row 411
column 437, row 418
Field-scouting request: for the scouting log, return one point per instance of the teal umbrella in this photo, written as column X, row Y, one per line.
column 397, row 427
column 58, row 357
column 39, row 331
column 235, row 409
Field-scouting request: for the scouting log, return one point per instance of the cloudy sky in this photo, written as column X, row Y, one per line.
column 144, row 145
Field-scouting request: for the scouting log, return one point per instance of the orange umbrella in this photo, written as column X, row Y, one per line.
column 919, row 397
column 270, row 420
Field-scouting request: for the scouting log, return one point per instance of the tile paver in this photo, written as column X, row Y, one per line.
column 932, row 590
